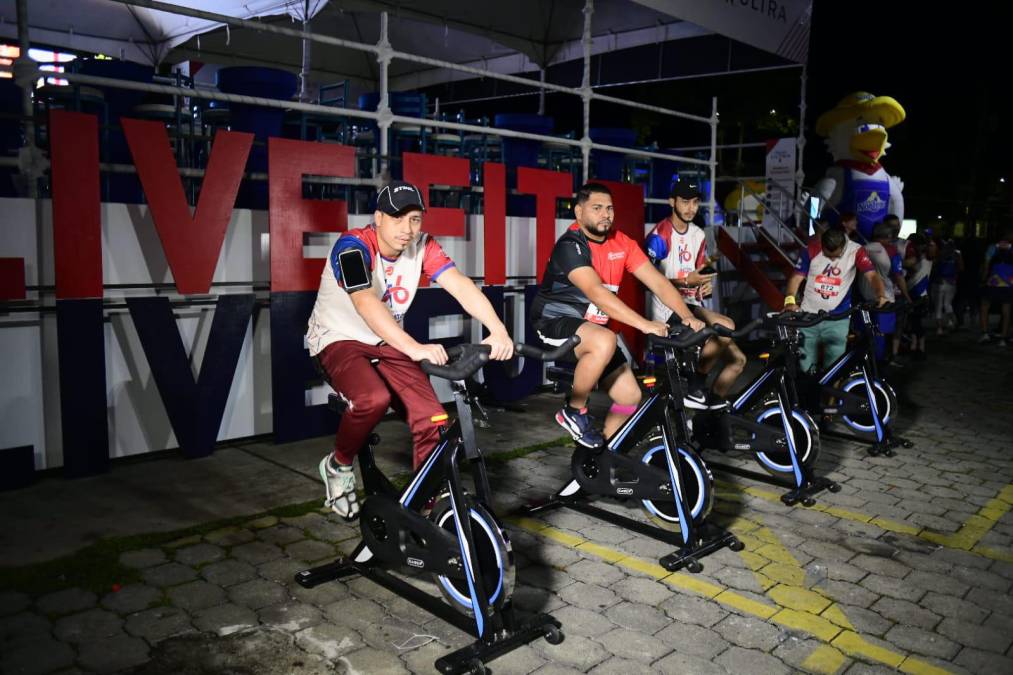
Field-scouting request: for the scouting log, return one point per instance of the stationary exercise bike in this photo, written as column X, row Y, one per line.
column 862, row 398
column 461, row 542
column 765, row 419
column 660, row 470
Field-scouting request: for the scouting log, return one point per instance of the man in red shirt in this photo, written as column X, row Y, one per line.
column 578, row 296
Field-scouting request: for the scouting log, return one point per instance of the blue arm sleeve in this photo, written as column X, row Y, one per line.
column 343, row 244
column 802, row 265
column 655, row 247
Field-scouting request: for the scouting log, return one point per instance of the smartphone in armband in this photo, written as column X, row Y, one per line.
column 707, row 269
column 354, row 274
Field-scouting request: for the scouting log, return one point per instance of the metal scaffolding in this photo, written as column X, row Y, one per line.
column 385, row 118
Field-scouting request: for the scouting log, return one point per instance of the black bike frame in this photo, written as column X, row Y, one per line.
column 498, row 631
column 659, row 410
column 862, row 351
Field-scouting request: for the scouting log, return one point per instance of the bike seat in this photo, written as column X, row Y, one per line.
column 560, row 372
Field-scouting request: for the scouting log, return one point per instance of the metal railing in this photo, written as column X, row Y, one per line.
column 384, row 116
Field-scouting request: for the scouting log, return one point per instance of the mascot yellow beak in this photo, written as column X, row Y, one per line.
column 868, row 144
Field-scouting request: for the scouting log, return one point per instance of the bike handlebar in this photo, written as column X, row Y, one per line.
column 684, row 340
column 808, row 319
column 469, row 358
column 725, row 331
column 533, row 352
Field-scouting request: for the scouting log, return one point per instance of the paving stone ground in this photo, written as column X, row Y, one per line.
column 909, row 566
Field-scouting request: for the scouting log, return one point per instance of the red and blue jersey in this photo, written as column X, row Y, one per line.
column 395, row 281
column 829, row 280
column 676, row 254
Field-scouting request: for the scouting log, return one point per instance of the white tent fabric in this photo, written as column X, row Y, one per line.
column 505, row 37
column 133, row 33
column 778, row 26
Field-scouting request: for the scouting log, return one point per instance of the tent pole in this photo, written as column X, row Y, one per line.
column 24, row 70
column 541, row 92
column 585, row 91
column 307, row 46
column 383, row 57
column 716, row 294
column 800, row 173
column 711, row 203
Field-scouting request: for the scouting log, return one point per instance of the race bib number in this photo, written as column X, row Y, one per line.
column 827, row 286
column 594, row 314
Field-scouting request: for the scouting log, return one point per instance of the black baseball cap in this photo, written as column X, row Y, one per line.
column 398, row 196
column 686, row 189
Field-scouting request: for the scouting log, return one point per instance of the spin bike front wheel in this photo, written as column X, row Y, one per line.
column 699, row 488
column 886, row 403
column 805, row 435
column 495, row 557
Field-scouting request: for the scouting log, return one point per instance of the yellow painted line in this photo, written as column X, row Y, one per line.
column 744, row 604
column 644, row 567
column 802, row 605
column 919, row 667
column 807, row 623
column 976, row 526
column 783, row 573
column 993, row 553
column 832, row 627
column 894, row 526
column 853, row 644
column 802, row 599
column 603, row 552
column 695, row 584
column 964, row 539
column 825, row 660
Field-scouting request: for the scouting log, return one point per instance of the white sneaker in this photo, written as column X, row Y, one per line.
column 340, row 483
column 1002, row 342
column 985, row 337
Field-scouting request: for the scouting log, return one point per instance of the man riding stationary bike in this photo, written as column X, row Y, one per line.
column 578, row 296
column 370, row 280
column 679, row 249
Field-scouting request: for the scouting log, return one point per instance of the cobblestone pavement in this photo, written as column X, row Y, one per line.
column 908, row 567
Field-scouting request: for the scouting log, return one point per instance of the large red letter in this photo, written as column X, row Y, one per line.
column 547, row 186
column 77, row 213
column 424, row 171
column 494, row 184
column 192, row 243
column 291, row 216
column 12, row 279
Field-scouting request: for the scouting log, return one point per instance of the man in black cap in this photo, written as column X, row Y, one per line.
column 371, row 278
column 679, row 249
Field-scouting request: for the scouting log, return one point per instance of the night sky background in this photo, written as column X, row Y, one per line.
column 946, row 64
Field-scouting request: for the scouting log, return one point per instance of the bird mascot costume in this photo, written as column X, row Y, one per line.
column 855, row 133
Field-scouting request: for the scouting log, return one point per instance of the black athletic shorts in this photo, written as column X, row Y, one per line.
column 553, row 332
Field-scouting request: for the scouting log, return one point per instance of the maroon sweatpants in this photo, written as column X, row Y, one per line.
column 369, row 390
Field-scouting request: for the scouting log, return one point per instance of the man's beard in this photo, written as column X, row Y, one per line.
column 599, row 229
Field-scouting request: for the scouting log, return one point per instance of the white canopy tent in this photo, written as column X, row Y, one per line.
column 519, row 36
column 130, row 32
